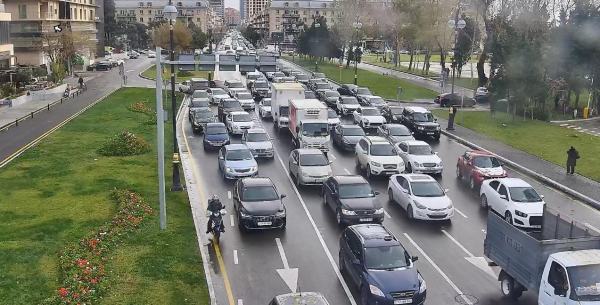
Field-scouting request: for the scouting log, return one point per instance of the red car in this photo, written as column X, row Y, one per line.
column 476, row 165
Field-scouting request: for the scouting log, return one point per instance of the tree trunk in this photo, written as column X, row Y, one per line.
column 410, row 63
column 578, row 94
column 442, row 57
column 482, row 78
column 427, row 62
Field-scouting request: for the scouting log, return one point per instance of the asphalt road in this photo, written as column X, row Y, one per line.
column 310, row 242
column 15, row 138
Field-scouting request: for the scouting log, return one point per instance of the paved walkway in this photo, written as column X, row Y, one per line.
column 591, row 126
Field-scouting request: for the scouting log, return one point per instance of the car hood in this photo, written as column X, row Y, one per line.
column 221, row 96
column 492, row 171
column 397, row 139
column 284, row 119
column 204, row 121
column 374, row 118
column 246, row 102
column 427, row 124
column 531, row 208
column 240, row 164
column 331, row 99
column 387, row 159
column 259, row 145
column 425, row 158
column 216, row 137
column 352, row 139
column 200, row 99
column 351, row 106
column 333, row 121
column 395, row 280
column 316, row 170
column 262, row 208
column 266, row 108
column 367, row 203
column 434, row 202
column 243, row 124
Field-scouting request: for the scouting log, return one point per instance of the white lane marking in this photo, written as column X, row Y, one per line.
column 284, row 260
column 457, row 243
column 240, row 302
column 235, row 257
column 331, row 156
column 347, row 171
column 387, row 214
column 232, row 220
column 437, row 268
column 592, row 227
column 565, row 124
column 461, row 213
column 320, row 237
column 228, row 194
column 129, row 71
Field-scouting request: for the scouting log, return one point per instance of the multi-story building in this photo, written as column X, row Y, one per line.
column 32, row 19
column 255, row 7
column 6, row 47
column 232, row 17
column 198, row 12
column 243, row 10
column 218, row 6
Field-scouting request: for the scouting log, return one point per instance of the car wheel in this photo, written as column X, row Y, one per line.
column 508, row 218
column 390, row 195
column 484, row 202
column 409, row 168
column 369, row 175
column 298, row 184
column 358, row 164
column 410, row 213
column 472, row 183
column 323, row 197
column 458, row 173
column 338, row 217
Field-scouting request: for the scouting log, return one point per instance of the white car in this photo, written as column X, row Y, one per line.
column 216, row 95
column 151, row 54
column 515, row 200
column 421, row 196
column 259, row 143
column 238, row 121
column 347, row 104
column 332, row 118
column 264, row 108
column 309, row 166
column 375, row 101
column 419, row 158
column 368, row 117
column 377, row 156
column 245, row 99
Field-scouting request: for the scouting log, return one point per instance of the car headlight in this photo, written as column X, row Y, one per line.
column 521, row 214
column 229, row 169
column 244, row 213
column 419, row 205
column 303, row 173
column 253, row 168
column 375, row 164
column 376, row 291
column 280, row 214
column 438, row 128
column 366, row 121
column 379, row 211
column 345, row 141
column 421, row 128
column 450, row 206
column 394, row 117
column 422, row 284
column 416, row 164
column 348, row 212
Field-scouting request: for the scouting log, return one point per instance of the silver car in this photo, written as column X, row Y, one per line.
column 309, row 166
column 259, row 143
column 236, row 161
column 395, row 133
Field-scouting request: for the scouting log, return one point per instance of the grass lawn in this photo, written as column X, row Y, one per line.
column 383, row 86
column 545, row 140
column 151, row 73
column 58, row 191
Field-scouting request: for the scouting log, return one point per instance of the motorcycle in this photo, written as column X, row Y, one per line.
column 217, row 223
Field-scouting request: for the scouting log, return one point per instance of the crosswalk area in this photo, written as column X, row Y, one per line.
column 595, row 131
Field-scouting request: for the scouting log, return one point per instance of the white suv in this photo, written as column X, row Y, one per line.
column 238, row 121
column 368, row 117
column 419, row 157
column 515, row 200
column 421, row 196
column 377, row 156
column 245, row 99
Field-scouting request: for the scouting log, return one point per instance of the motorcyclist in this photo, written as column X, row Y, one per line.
column 214, row 205
column 80, row 81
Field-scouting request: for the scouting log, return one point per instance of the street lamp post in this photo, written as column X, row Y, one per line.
column 317, row 26
column 455, row 24
column 170, row 12
column 357, row 26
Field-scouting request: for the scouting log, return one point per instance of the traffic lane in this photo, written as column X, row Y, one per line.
column 257, row 254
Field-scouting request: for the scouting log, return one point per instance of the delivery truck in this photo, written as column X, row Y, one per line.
column 559, row 263
column 308, row 124
column 281, row 94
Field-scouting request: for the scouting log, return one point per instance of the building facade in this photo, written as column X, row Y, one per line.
column 243, row 10
column 7, row 52
column 218, row 7
column 32, row 19
column 232, row 17
column 198, row 12
column 255, row 7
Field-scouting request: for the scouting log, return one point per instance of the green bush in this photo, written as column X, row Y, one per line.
column 6, row 90
column 184, row 73
column 124, row 144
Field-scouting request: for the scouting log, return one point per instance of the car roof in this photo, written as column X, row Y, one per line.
column 480, row 153
column 238, row 112
column 349, row 126
column 514, row 182
column 415, row 142
column 309, row 151
column 374, row 235
column 235, row 147
column 377, row 139
column 256, row 130
column 216, row 124
column 350, row 179
column 392, row 125
column 368, row 108
column 416, row 109
column 256, row 181
column 417, row 177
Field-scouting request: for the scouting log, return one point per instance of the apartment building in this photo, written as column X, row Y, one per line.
column 6, row 47
column 198, row 12
column 232, row 17
column 255, row 7
column 31, row 19
column 218, row 7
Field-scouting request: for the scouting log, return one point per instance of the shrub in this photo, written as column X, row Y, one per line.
column 184, row 73
column 141, row 107
column 6, row 90
column 124, row 144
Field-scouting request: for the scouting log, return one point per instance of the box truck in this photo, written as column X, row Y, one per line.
column 281, row 94
column 308, row 124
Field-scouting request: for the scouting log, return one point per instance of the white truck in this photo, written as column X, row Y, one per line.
column 560, row 263
column 281, row 94
column 308, row 124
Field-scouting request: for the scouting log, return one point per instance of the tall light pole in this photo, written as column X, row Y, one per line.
column 357, row 26
column 170, row 12
column 317, row 26
column 455, row 24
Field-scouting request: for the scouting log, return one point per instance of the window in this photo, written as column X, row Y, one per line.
column 91, row 15
column 149, row 4
column 22, row 11
column 324, row 5
column 149, row 12
column 494, row 184
column 141, row 19
column 179, row 4
column 85, row 14
column 363, row 145
column 80, row 14
column 557, row 277
column 198, row 3
column 353, row 243
column 198, row 19
column 141, row 4
column 502, row 191
column 4, row 32
column 149, row 19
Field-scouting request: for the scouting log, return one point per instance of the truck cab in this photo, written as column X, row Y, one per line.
column 309, row 124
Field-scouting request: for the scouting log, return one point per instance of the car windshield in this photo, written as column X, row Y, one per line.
column 253, row 76
column 427, row 189
column 238, row 155
column 396, row 110
column 423, row 117
column 386, row 257
column 200, row 94
column 322, row 86
column 331, row 114
column 385, row 149
column 259, row 193
column 235, row 85
column 357, row 190
column 266, row 102
column 301, row 77
column 261, row 85
column 363, row 91
column 231, row 104
column 315, row 129
column 257, row 137
column 585, row 282
column 399, row 131
column 370, row 112
column 218, row 91
column 332, row 94
column 354, row 132
column 349, row 101
column 377, row 101
column 420, row 150
column 313, row 160
column 486, row 162
column 242, row 117
column 524, row 194
column 216, row 130
column 284, row 111
column 200, row 115
column 244, row 96
column 199, row 103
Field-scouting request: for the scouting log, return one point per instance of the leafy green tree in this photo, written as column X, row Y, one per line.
column 251, row 34
column 199, row 38
column 464, row 43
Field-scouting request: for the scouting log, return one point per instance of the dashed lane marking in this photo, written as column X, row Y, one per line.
column 235, row 257
column 232, row 220
column 387, row 214
column 461, row 213
column 457, row 243
column 240, row 302
column 228, row 194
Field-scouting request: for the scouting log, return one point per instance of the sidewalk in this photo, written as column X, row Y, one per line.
column 537, row 167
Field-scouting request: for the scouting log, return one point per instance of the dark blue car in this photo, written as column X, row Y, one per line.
column 215, row 136
column 377, row 263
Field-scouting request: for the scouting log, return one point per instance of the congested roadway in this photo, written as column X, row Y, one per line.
column 450, row 254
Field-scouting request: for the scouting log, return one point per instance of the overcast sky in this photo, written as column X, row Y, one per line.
column 233, row 3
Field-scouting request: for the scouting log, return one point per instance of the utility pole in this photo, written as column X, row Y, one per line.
column 176, row 186
column 160, row 143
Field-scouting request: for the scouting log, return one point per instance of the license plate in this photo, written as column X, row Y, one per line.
column 366, row 219
column 427, row 133
column 407, row 301
column 264, row 223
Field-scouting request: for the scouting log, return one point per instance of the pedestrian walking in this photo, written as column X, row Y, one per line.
column 572, row 156
column 451, row 115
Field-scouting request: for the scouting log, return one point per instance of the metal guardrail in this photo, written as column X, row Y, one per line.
column 47, row 108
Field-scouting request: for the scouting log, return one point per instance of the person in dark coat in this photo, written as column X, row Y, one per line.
column 572, row 156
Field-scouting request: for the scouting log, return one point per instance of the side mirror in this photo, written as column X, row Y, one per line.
column 414, row 258
column 283, row 196
column 542, row 196
column 331, row 162
column 376, row 193
column 435, row 152
column 405, row 191
column 503, row 197
column 446, row 190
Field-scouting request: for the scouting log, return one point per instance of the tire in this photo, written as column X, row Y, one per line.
column 458, row 173
column 368, row 170
column 409, row 213
column 297, row 180
column 483, row 202
column 509, row 288
column 390, row 195
column 341, row 263
column 358, row 164
column 408, row 168
column 240, row 225
column 323, row 198
column 472, row 183
column 508, row 218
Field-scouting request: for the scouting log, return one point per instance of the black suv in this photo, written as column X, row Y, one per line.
column 375, row 261
column 352, row 199
column 421, row 122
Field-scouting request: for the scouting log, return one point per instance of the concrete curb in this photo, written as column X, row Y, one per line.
column 591, row 201
column 576, row 120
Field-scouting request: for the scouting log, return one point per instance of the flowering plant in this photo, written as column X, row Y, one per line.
column 124, row 144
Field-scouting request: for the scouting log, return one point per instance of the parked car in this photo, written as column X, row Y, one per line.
column 395, row 133
column 420, row 158
column 200, row 118
column 368, row 117
column 475, row 166
column 352, row 200
column 91, row 67
column 378, row 264
column 245, row 99
column 421, row 122
column 392, row 114
column 236, row 161
column 346, row 89
column 151, row 54
column 346, row 136
column 309, row 166
column 333, row 119
column 377, row 156
column 215, row 95
column 453, row 99
column 347, row 104
column 104, row 66
column 264, row 108
column 238, row 121
column 482, row 95
column 215, row 136
column 259, row 142
column 513, row 199
column 258, row 205
column 421, row 196
column 329, row 97
column 133, row 54
column 226, row 106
